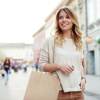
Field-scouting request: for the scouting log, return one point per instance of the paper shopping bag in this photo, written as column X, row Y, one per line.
column 42, row 86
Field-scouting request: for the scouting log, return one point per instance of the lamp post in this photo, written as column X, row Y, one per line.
column 86, row 33
column 86, row 22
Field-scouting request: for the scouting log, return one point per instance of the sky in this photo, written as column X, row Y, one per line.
column 20, row 19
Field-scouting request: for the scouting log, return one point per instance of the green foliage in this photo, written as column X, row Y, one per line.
column 98, row 40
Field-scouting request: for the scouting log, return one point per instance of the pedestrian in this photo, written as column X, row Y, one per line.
column 1, row 70
column 37, row 64
column 24, row 66
column 6, row 66
column 66, row 53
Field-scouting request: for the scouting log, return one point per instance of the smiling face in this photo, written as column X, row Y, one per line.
column 67, row 24
column 64, row 21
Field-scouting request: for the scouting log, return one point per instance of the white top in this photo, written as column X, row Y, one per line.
column 68, row 55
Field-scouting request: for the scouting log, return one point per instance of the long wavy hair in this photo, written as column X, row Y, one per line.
column 7, row 62
column 76, row 34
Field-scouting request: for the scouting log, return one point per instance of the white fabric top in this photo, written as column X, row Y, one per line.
column 68, row 55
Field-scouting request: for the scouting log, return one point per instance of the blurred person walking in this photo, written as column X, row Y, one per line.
column 6, row 65
column 36, row 65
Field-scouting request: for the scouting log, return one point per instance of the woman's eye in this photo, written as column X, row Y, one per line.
column 68, row 17
column 60, row 17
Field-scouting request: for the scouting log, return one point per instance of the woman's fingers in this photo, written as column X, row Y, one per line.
column 67, row 69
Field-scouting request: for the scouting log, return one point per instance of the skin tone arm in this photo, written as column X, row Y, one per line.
column 83, row 79
column 83, row 69
column 54, row 67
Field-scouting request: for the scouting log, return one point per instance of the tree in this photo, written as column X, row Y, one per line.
column 98, row 40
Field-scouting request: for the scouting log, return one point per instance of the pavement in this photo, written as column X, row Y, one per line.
column 16, row 87
column 93, row 86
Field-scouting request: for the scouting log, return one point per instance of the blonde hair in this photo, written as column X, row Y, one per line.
column 76, row 33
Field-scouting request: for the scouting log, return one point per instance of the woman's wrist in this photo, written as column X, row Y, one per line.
column 58, row 67
column 83, row 78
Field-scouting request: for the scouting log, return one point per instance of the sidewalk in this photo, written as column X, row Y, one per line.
column 93, row 85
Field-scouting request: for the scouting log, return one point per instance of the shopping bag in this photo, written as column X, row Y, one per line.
column 42, row 86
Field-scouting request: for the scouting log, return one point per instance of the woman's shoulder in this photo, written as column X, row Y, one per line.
column 49, row 39
column 48, row 42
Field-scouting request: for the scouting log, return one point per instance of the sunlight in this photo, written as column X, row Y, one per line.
column 19, row 19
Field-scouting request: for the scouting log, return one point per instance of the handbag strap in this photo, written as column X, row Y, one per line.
column 53, row 49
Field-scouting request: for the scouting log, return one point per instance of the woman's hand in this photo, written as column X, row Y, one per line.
column 82, row 84
column 66, row 69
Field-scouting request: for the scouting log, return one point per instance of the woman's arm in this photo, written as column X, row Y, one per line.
column 83, row 69
column 44, row 59
column 54, row 67
column 45, row 63
column 51, row 67
column 83, row 78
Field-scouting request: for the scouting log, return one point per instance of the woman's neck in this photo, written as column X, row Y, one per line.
column 67, row 34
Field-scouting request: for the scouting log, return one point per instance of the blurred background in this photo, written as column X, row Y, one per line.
column 25, row 24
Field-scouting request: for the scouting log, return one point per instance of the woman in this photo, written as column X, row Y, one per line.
column 66, row 57
column 7, row 64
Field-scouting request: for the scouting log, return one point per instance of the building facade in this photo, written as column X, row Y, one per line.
column 16, row 51
column 39, row 38
column 93, row 31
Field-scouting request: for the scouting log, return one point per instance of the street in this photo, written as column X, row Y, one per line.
column 17, row 84
column 15, row 89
